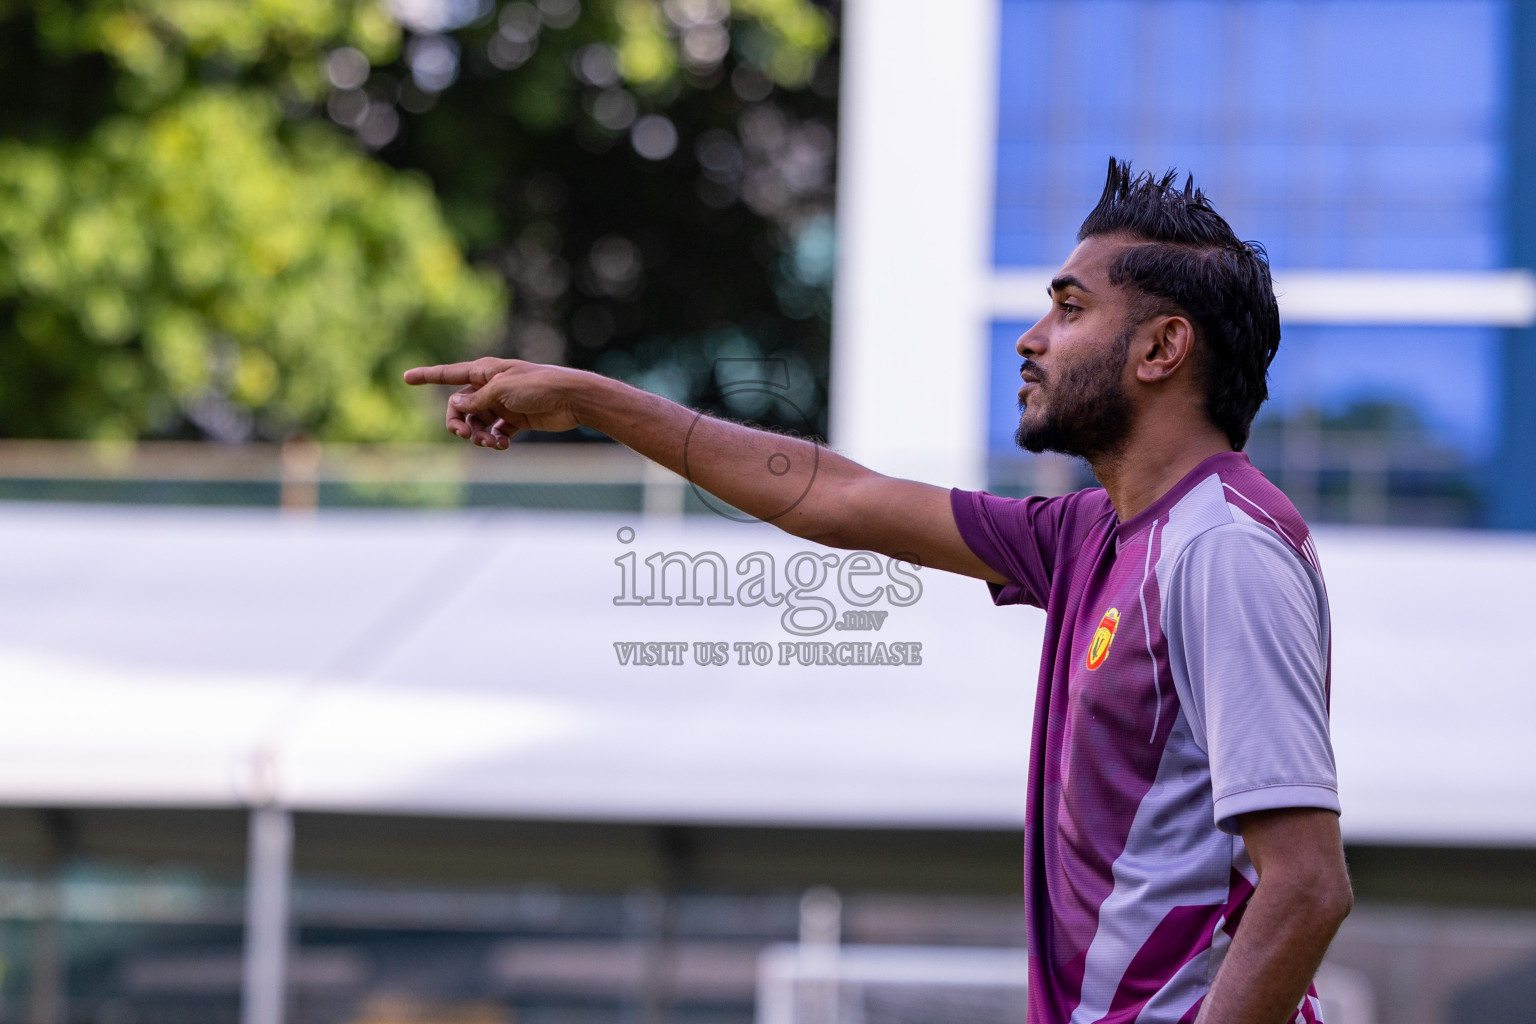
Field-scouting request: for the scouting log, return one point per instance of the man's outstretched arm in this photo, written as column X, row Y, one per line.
column 798, row 486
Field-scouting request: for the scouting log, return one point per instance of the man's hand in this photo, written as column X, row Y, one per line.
column 1302, row 898
column 499, row 397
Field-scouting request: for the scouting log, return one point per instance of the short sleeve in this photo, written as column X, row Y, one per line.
column 1247, row 627
column 1017, row 537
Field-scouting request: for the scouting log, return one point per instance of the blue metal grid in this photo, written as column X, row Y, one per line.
column 1339, row 133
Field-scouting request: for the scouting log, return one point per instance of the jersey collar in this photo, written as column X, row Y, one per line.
column 1214, row 464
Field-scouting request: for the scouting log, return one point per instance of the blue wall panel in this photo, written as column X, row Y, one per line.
column 1339, row 133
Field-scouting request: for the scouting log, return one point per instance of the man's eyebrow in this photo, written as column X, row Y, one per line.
column 1066, row 281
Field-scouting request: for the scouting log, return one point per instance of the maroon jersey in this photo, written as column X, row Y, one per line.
column 1183, row 682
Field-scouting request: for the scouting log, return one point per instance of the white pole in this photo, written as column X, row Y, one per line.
column 916, row 159
column 268, row 878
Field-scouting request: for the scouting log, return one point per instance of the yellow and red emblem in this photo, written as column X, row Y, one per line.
column 1098, row 647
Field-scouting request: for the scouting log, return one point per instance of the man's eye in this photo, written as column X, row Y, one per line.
column 1068, row 308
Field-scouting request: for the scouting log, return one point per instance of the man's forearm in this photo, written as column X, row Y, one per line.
column 788, row 481
column 1285, row 931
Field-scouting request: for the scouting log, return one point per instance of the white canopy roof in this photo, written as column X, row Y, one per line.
column 466, row 664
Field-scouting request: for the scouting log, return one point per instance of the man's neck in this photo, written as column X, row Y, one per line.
column 1149, row 466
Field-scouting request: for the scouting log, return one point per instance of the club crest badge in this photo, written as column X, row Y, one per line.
column 1098, row 647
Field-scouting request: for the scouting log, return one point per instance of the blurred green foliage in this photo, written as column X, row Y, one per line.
column 186, row 262
column 158, row 44
column 243, row 219
column 192, row 262
column 653, row 214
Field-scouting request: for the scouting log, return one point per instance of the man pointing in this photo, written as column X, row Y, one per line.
column 1183, row 859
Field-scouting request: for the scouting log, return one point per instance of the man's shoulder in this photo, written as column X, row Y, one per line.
column 1067, row 512
column 1240, row 502
column 1089, row 505
column 1029, row 540
column 1254, row 499
column 1233, row 527
column 1078, row 514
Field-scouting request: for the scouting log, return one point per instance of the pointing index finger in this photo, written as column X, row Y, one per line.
column 447, row 373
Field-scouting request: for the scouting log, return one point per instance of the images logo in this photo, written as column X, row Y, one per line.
column 804, row 586
column 1098, row 647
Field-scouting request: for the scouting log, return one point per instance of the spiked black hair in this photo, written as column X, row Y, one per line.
column 1184, row 258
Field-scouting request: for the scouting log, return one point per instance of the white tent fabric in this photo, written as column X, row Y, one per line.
column 437, row 663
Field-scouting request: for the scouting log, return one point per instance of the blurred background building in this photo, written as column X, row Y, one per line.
column 1367, row 144
column 311, row 715
column 1376, row 150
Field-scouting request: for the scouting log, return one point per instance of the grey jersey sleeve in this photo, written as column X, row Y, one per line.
column 1247, row 627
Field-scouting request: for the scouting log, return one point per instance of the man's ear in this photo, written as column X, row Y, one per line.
column 1170, row 345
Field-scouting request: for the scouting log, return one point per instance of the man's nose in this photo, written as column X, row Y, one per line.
column 1031, row 342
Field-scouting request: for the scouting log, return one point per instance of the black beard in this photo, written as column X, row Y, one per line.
column 1088, row 413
